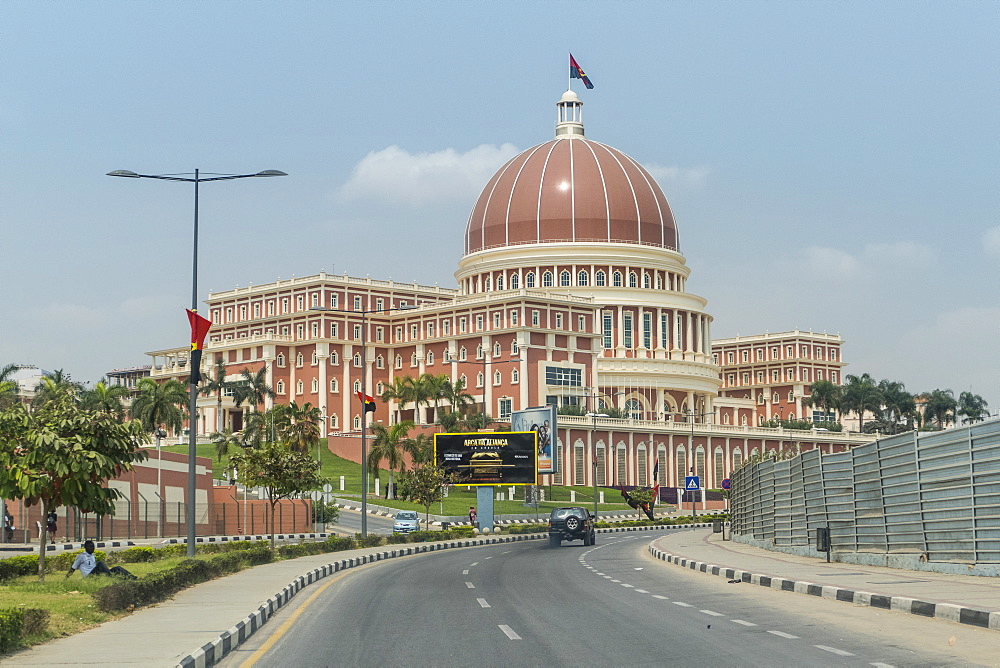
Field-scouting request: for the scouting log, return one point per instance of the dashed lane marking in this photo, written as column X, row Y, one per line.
column 742, row 622
column 641, row 591
column 833, row 650
column 711, row 612
column 470, row 585
column 883, row 665
column 483, row 603
column 683, row 604
column 465, row 572
column 662, row 598
column 509, row 632
column 627, row 585
column 782, row 634
column 613, row 580
column 474, row 563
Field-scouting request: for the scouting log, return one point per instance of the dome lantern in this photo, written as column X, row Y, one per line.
column 570, row 116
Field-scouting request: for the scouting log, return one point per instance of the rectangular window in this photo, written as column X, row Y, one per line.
column 505, row 408
column 664, row 331
column 513, row 318
column 334, row 301
column 462, row 325
column 789, row 352
column 378, row 334
column 730, row 358
column 833, row 355
column 447, row 327
column 357, row 332
column 774, row 353
column 430, row 330
column 606, row 322
column 760, row 376
column 496, row 320
column 413, row 332
column 535, row 319
column 760, row 354
column 357, row 303
column 256, row 310
column 745, row 355
column 380, row 304
column 559, row 320
column 774, row 376
column 243, row 312
column 479, row 323
column 647, row 330
column 300, row 302
column 582, row 323
column 715, row 359
column 557, row 375
column 399, row 334
column 746, row 378
column 679, row 333
column 819, row 353
column 819, row 374
column 628, row 330
column 731, row 379
column 284, row 305
column 315, row 299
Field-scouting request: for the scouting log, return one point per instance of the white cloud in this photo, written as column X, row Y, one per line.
column 63, row 314
column 832, row 263
column 151, row 306
column 991, row 242
column 899, row 253
column 395, row 175
column 687, row 177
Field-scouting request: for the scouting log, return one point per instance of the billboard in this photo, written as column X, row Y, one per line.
column 489, row 458
column 541, row 419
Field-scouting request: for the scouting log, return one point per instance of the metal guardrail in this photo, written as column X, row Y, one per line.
column 935, row 495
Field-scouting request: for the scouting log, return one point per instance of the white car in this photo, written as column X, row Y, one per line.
column 406, row 521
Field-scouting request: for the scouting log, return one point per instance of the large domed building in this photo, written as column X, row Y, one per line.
column 572, row 291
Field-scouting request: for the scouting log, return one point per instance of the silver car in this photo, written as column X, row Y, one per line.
column 406, row 521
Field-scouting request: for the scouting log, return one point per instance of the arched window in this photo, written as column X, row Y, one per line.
column 280, row 359
column 622, row 470
column 564, row 279
column 357, row 386
column 681, row 460
column 399, row 361
column 462, row 355
column 633, row 280
column 299, row 387
column 720, row 466
column 300, row 360
column 497, row 378
column 380, row 362
column 601, row 279
column 315, row 385
column 430, row 357
column 413, row 359
column 618, row 279
column 464, row 380
column 634, row 409
column 479, row 352
column 357, row 422
column 488, row 284
column 357, row 359
column 279, row 387
column 582, row 278
column 479, row 379
column 515, row 376
column 497, row 349
column 737, row 458
column 499, row 282
column 515, row 282
column 514, row 347
column 529, row 280
column 661, row 473
column 379, row 389
column 334, row 422
column 641, row 465
column 547, row 279
column 334, row 358
column 334, row 385
column 645, row 281
column 315, row 358
column 602, row 464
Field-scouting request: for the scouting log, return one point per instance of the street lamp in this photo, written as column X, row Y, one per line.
column 364, row 393
column 159, row 486
column 692, row 415
column 593, row 449
column 193, row 407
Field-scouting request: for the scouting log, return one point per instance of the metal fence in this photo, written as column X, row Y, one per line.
column 935, row 496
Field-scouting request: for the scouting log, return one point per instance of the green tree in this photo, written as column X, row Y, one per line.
column 279, row 471
column 424, row 486
column 61, row 454
column 160, row 404
column 436, row 387
column 253, row 388
column 402, row 390
column 899, row 407
column 972, row 407
column 449, row 422
column 297, row 426
column 387, row 446
column 478, row 421
column 8, row 386
column 223, row 440
column 861, row 395
column 55, row 385
column 217, row 384
column 824, row 395
column 421, row 448
column 105, row 398
column 458, row 397
column 939, row 407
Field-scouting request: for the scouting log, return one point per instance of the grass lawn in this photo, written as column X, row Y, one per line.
column 459, row 497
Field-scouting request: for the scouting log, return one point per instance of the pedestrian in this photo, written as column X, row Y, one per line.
column 8, row 526
column 472, row 515
column 87, row 563
column 50, row 525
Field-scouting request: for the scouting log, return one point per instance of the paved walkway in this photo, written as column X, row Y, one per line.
column 965, row 591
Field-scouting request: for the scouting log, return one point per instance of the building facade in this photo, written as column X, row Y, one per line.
column 572, row 290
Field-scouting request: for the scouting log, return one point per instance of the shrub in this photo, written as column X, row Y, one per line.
column 11, row 627
column 425, row 536
column 36, row 621
column 134, row 555
column 397, row 538
column 530, row 528
column 339, row 544
column 62, row 561
column 15, row 567
column 373, row 540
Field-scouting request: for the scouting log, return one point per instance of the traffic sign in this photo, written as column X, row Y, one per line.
column 726, row 484
column 692, row 482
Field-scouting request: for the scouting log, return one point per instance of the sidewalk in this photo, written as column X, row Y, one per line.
column 962, row 598
column 213, row 617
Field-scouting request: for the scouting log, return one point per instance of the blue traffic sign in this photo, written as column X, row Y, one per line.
column 692, row 482
column 726, row 484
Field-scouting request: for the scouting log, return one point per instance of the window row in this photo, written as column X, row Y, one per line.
column 761, row 354
column 583, row 278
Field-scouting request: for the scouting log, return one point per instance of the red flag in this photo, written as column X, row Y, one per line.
column 576, row 72
column 199, row 330
column 367, row 401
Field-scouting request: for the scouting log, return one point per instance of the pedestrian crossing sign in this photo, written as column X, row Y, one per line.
column 692, row 482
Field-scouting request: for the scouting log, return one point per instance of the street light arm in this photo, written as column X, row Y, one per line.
column 125, row 173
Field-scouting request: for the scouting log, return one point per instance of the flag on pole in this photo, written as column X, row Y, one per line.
column 199, row 330
column 576, row 72
column 656, row 480
column 367, row 401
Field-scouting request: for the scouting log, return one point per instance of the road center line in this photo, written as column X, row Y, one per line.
column 711, row 612
column 483, row 603
column 627, row 585
column 833, row 650
column 662, row 598
column 782, row 634
column 470, row 585
column 683, row 604
column 641, row 591
column 509, row 632
column 474, row 563
column 742, row 622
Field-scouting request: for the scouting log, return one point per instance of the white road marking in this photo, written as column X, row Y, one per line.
column 627, row 585
column 470, row 585
column 742, row 622
column 613, row 580
column 883, row 665
column 608, row 577
column 483, row 603
column 599, row 573
column 641, row 591
column 506, row 552
column 639, row 569
column 474, row 563
column 782, row 634
column 711, row 612
column 833, row 650
column 465, row 572
column 488, row 558
column 683, row 604
column 662, row 598
column 509, row 632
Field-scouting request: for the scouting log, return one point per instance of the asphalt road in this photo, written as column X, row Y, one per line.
column 350, row 523
column 525, row 604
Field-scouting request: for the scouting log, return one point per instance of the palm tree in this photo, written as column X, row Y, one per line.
column 216, row 384
column 939, row 406
column 861, row 394
column 456, row 395
column 260, row 426
column 402, row 391
column 388, row 446
column 298, row 426
column 105, row 398
column 8, row 387
column 899, row 405
column 54, row 385
column 253, row 389
column 824, row 395
column 160, row 404
column 972, row 407
column 449, row 422
column 436, row 387
column 223, row 440
column 421, row 448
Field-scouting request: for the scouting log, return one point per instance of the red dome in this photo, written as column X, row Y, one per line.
column 571, row 190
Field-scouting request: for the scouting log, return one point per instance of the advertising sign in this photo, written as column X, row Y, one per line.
column 489, row 458
column 541, row 420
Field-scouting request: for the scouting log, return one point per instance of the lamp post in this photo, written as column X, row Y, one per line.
column 690, row 415
column 193, row 404
column 593, row 436
column 364, row 393
column 159, row 486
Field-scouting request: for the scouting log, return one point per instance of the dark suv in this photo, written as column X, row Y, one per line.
column 571, row 524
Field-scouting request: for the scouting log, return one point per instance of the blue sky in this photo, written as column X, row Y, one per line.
column 831, row 165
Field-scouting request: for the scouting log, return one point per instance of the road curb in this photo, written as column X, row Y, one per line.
column 955, row 613
column 212, row 652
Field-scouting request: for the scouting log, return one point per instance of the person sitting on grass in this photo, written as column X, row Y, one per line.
column 87, row 563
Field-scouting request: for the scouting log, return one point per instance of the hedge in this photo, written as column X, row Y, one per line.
column 16, row 623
